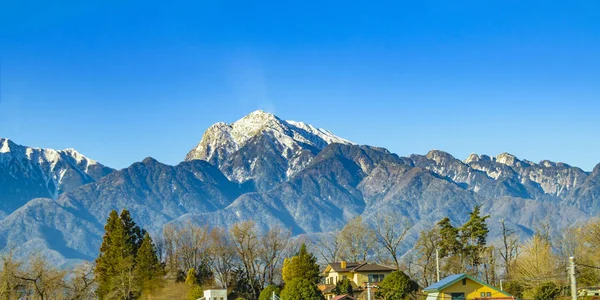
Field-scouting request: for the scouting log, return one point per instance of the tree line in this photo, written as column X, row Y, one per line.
column 187, row 258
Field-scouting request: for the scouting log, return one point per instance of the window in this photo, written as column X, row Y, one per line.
column 482, row 294
column 457, row 296
column 464, row 281
column 375, row 278
column 344, row 277
column 489, row 295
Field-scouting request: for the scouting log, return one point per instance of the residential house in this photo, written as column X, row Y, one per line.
column 358, row 273
column 214, row 295
column 343, row 297
column 588, row 291
column 462, row 287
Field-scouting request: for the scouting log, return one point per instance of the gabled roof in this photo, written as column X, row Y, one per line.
column 450, row 280
column 342, row 297
column 440, row 285
column 358, row 267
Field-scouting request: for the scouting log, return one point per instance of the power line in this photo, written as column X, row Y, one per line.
column 587, row 266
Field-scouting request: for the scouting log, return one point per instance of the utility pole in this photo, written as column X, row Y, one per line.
column 437, row 263
column 501, row 285
column 573, row 280
column 368, row 291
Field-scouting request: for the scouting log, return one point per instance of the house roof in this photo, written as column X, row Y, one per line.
column 450, row 280
column 440, row 285
column 359, row 267
column 340, row 297
column 326, row 288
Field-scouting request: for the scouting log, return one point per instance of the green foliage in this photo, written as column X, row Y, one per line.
column 449, row 244
column 127, row 262
column 473, row 236
column 464, row 247
column 195, row 293
column 301, row 289
column 133, row 233
column 397, row 286
column 547, row 291
column 267, row 293
column 344, row 287
column 515, row 288
column 190, row 279
column 303, row 265
column 148, row 269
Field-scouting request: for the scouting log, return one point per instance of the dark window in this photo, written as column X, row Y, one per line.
column 375, row 278
column 458, row 296
column 489, row 295
column 464, row 281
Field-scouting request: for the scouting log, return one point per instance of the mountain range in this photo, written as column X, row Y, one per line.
column 276, row 172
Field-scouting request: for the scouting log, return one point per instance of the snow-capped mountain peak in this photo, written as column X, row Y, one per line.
column 295, row 142
column 49, row 172
column 4, row 145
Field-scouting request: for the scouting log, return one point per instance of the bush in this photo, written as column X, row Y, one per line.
column 301, row 289
column 267, row 293
column 195, row 293
column 514, row 288
column 397, row 286
column 344, row 287
column 547, row 291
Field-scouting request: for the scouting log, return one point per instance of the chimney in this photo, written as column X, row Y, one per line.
column 343, row 264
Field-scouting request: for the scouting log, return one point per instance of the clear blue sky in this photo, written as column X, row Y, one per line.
column 122, row 80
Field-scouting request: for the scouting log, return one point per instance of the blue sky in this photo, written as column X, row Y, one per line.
column 123, row 81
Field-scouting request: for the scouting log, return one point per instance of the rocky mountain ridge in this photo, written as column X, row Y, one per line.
column 27, row 173
column 293, row 175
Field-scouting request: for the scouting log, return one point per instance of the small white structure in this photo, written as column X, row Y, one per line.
column 214, row 295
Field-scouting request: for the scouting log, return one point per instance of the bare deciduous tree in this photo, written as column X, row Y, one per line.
column 390, row 236
column 222, row 255
column 357, row 240
column 329, row 247
column 425, row 247
column 44, row 280
column 81, row 285
column 247, row 244
column 9, row 283
column 273, row 245
column 510, row 247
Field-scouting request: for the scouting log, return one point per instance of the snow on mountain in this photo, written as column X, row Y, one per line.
column 228, row 145
column 294, row 176
column 28, row 173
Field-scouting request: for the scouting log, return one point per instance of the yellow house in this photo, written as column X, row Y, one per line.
column 359, row 274
column 464, row 287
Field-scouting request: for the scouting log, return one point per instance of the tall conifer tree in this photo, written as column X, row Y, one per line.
column 148, row 269
column 302, row 265
column 105, row 261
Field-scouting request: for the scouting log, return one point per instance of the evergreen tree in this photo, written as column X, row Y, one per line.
column 397, row 286
column 105, row 261
column 123, row 284
column 195, row 291
column 148, row 269
column 302, row 265
column 267, row 293
column 473, row 237
column 115, row 270
column 301, row 289
column 344, row 287
column 449, row 244
column 547, row 291
column 135, row 235
column 190, row 279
